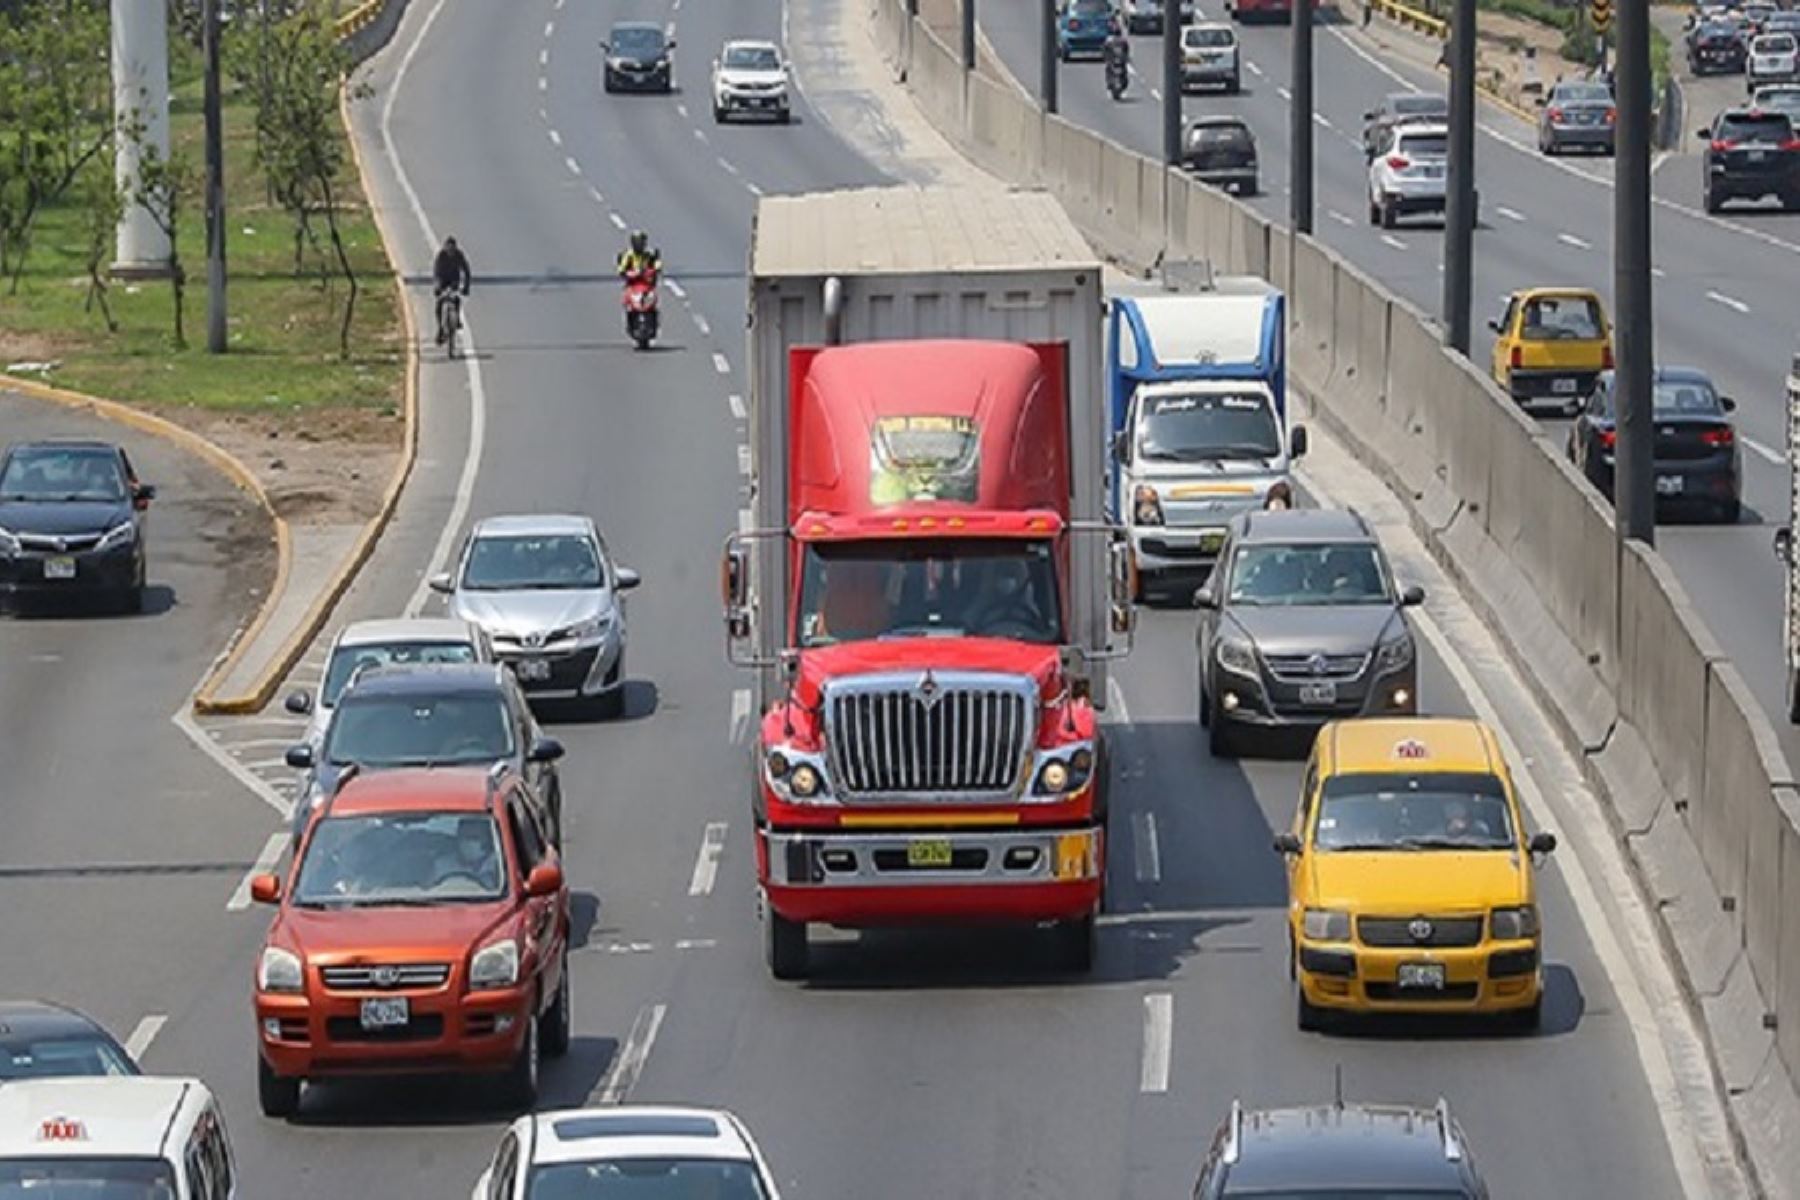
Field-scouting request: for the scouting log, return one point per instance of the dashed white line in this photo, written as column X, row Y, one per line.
column 1339, row 217
column 1284, row 93
column 543, row 58
column 1115, row 696
column 144, row 1034
column 549, row 28
column 743, row 455
column 616, row 219
column 706, row 864
column 727, row 165
column 740, row 708
column 1657, row 273
column 633, row 1054
column 543, row 84
column 574, row 167
column 271, row 853
column 1159, row 1040
column 721, row 364
column 1146, row 851
column 1569, row 239
column 699, row 135
column 676, row 290
column 1730, row 302
column 1253, row 69
column 1763, row 452
column 544, row 115
column 1321, row 120
column 1511, row 214
column 737, row 406
column 754, row 190
column 696, row 943
column 681, row 110
column 597, row 194
column 555, row 138
column 1389, row 239
column 703, row 325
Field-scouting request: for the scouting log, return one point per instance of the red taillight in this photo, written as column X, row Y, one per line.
column 1791, row 145
column 1612, row 116
column 1556, row 114
column 1723, row 144
column 1608, row 439
column 1719, row 437
column 1399, row 162
column 1518, row 356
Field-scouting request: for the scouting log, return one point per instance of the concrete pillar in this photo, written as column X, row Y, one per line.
column 140, row 68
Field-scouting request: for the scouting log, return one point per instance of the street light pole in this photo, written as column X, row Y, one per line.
column 1634, row 490
column 1171, row 48
column 968, row 34
column 1459, row 206
column 1047, row 58
column 215, row 183
column 1300, row 116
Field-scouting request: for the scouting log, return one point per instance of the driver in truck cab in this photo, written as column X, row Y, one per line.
column 857, row 604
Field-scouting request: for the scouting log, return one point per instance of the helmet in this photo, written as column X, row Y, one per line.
column 449, row 243
column 640, row 241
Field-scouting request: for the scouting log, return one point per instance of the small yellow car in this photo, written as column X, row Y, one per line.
column 1410, row 876
column 1551, row 344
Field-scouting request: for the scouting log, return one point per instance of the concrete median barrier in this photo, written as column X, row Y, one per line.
column 1766, row 865
column 1153, row 208
column 1787, row 1004
column 1311, row 307
column 892, row 29
column 935, row 75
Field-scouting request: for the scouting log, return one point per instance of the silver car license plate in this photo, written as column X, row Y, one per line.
column 61, row 567
column 1318, row 693
column 1422, row 975
column 1434, row 171
column 1758, row 155
column 387, row 1012
column 532, row 670
column 1669, row 485
column 1563, row 386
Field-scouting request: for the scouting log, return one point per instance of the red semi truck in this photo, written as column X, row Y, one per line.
column 926, row 589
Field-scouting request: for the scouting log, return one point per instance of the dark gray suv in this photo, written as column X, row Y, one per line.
column 1332, row 1151
column 1300, row 624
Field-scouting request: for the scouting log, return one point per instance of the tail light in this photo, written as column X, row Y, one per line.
column 1609, row 438
column 1518, row 356
column 1612, row 116
column 1556, row 114
column 1723, row 436
column 1606, row 356
column 1399, row 162
column 1791, row 145
column 1723, row 144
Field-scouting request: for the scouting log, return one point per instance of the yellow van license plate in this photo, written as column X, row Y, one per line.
column 933, row 852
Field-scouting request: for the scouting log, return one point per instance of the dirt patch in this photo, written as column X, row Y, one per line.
column 1520, row 60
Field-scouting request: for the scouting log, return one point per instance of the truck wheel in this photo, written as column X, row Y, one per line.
column 279, row 1095
column 784, row 945
column 1078, row 943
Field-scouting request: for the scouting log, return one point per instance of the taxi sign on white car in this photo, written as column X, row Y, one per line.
column 125, row 1137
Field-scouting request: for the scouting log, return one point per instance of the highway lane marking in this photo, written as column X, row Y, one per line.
column 248, row 744
column 721, row 364
column 184, row 721
column 681, row 110
column 1147, row 853
column 549, row 29
column 1284, row 93
column 597, row 194
column 1390, row 240
column 675, row 289
column 726, row 163
column 696, row 943
column 1321, row 120
column 1763, row 452
column 555, row 138
column 265, row 862
column 1511, row 214
column 543, row 84
column 144, row 1033
column 1657, row 273
column 1159, row 1040
column 1115, row 696
column 544, row 115
column 736, row 402
column 1339, row 217
column 706, row 864
column 745, row 524
column 1569, row 239
column 266, row 764
column 543, row 58
column 699, row 135
column 703, row 325
column 633, row 1054
column 1253, row 69
column 574, row 167
column 617, row 219
column 743, row 453
column 754, row 190
column 740, row 699
column 1730, row 302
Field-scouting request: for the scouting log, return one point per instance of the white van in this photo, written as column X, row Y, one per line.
column 127, row 1138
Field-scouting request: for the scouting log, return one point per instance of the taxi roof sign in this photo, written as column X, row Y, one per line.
column 62, row 1129
column 1410, row 748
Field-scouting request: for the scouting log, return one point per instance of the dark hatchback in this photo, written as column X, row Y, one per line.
column 1697, row 459
column 1716, row 48
column 1751, row 153
column 40, row 1040
column 1221, row 151
column 638, row 59
column 72, row 517
column 1330, row 1152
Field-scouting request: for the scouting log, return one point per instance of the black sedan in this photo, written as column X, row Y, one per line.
column 1697, row 461
column 1716, row 48
column 39, row 1040
column 638, row 59
column 72, row 523
column 1221, row 151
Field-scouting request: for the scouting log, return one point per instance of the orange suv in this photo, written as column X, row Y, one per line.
column 423, row 928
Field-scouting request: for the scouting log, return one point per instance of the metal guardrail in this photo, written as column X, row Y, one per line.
column 357, row 19
column 1413, row 17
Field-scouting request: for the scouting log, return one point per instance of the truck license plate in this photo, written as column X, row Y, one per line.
column 1318, row 693
column 1669, row 485
column 59, row 568
column 1422, row 975
column 933, row 852
column 532, row 670
column 389, row 1012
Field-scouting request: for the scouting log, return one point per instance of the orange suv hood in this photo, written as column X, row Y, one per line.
column 446, row 933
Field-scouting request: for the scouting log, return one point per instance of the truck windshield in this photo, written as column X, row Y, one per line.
column 1203, row 428
column 856, row 591
column 87, row 1179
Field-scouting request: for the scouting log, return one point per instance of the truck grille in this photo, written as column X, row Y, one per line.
column 385, row 978
column 959, row 736
column 1397, row 931
column 1301, row 667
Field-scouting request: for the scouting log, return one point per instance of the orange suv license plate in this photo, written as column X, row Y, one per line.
column 385, row 1013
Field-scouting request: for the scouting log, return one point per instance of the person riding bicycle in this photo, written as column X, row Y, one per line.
column 639, row 256
column 452, row 275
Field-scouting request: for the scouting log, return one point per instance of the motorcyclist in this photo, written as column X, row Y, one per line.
column 638, row 256
column 451, row 274
column 1117, row 53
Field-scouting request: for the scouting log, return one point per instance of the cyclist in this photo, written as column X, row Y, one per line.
column 452, row 275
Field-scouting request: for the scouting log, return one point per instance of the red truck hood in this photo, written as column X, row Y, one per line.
column 818, row 665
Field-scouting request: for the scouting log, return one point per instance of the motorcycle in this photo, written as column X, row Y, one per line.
column 640, row 306
column 1117, row 74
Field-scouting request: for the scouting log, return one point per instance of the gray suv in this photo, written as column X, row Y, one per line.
column 1338, row 1150
column 1300, row 624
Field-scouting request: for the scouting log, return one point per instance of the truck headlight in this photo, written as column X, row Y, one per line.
column 1146, row 507
column 1513, row 924
column 495, row 965
column 279, row 970
column 1065, row 774
column 121, row 534
column 1325, row 925
column 1236, row 655
column 1394, row 655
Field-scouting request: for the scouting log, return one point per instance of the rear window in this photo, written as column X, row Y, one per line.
column 1686, row 397
column 1208, row 37
column 1562, row 318
column 1763, row 127
column 1214, row 134
column 1779, row 43
column 1425, row 145
column 1420, row 106
column 1583, row 92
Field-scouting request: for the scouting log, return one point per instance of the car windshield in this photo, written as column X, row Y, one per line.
column 532, row 563
column 646, row 1179
column 1425, row 811
column 348, row 660
column 1207, row 37
column 637, row 40
column 1224, row 133
column 62, row 473
column 1764, row 128
column 401, row 858
column 1379, row 1193
column 1561, row 318
column 1778, row 43
column 86, row 1179
column 60, row 1057
column 418, row 731
column 1425, row 145
column 752, row 58
column 1782, row 100
column 1582, row 93
column 1421, row 106
column 1326, row 573
column 1205, row 428
column 854, row 591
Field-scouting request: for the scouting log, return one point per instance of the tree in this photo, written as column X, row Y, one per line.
column 165, row 187
column 102, row 204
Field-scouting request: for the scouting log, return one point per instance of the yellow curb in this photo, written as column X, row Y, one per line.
column 200, row 447
column 285, row 658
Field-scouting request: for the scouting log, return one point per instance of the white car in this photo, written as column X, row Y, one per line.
column 127, row 1136
column 1774, row 58
column 1410, row 174
column 628, row 1150
column 1146, row 16
column 1781, row 98
column 405, row 641
column 1209, row 55
column 749, row 77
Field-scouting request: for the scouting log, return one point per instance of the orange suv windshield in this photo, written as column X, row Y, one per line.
column 402, row 859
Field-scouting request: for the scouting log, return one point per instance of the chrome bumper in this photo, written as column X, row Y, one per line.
column 830, row 858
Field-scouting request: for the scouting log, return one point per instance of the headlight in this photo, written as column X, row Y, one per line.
column 1064, row 774
column 797, row 777
column 1395, row 655
column 1513, row 924
column 119, row 535
column 1146, row 507
column 593, row 627
column 1235, row 655
column 9, row 542
column 1325, row 925
column 279, row 970
column 495, row 965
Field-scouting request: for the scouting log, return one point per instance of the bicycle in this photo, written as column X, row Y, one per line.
column 449, row 318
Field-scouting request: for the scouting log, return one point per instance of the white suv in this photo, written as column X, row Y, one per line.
column 749, row 77
column 1409, row 175
column 1209, row 55
column 629, row 1150
column 1774, row 58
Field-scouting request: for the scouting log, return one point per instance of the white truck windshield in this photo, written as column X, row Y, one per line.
column 1206, row 427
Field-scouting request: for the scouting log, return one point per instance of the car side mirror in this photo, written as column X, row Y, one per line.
column 265, row 888
column 1784, row 543
column 1412, row 596
column 1727, row 403
column 1494, row 325
column 1542, row 101
column 546, row 879
column 1369, row 116
column 300, row 757
column 1542, row 843
column 627, row 578
column 299, row 703
column 1204, row 597
column 545, row 750
column 1297, row 442
column 142, row 495
column 1286, row 843
column 1704, row 135
column 606, row 45
column 443, row 582
column 672, row 43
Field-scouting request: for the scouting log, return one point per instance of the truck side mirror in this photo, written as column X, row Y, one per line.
column 1784, row 543
column 734, row 580
column 1542, row 843
column 1297, row 442
column 1118, row 446
column 1727, row 403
